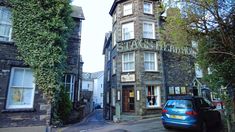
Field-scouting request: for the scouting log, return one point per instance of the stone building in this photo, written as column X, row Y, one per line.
column 140, row 72
column 21, row 102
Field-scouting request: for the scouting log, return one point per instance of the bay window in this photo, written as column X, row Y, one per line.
column 21, row 89
column 150, row 61
column 148, row 7
column 128, row 31
column 69, row 83
column 127, row 9
column 128, row 62
column 148, row 30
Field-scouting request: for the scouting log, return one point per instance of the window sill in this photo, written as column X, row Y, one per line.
column 7, row 42
column 152, row 71
column 18, row 110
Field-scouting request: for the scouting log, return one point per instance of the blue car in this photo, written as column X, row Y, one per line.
column 189, row 112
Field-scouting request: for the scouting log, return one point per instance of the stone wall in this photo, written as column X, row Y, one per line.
column 178, row 69
column 18, row 117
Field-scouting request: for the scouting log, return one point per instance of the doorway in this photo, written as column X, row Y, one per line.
column 128, row 100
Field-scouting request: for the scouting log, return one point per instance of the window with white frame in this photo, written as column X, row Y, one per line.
column 150, row 61
column 21, row 89
column 114, row 66
column 113, row 96
column 114, row 38
column 153, row 98
column 69, row 82
column 198, row 71
column 5, row 24
column 128, row 62
column 108, row 75
column 148, row 30
column 148, row 7
column 107, row 97
column 114, row 17
column 127, row 9
column 128, row 31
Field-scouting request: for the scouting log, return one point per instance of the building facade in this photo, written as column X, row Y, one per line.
column 21, row 102
column 140, row 72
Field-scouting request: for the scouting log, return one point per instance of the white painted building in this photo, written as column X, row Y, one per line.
column 98, row 88
column 93, row 82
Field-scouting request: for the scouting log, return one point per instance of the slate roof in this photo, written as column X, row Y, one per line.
column 77, row 12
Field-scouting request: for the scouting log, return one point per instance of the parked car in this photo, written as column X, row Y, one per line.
column 190, row 112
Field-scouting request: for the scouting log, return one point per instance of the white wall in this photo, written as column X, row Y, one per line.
column 88, row 85
column 98, row 90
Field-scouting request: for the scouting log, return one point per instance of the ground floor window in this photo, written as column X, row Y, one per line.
column 113, row 97
column 21, row 89
column 153, row 98
column 69, row 83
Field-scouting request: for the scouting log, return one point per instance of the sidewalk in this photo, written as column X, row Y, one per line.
column 25, row 129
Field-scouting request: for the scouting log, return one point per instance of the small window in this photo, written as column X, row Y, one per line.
column 148, row 7
column 127, row 9
column 21, row 89
column 5, row 24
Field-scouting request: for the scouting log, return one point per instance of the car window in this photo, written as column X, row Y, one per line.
column 179, row 104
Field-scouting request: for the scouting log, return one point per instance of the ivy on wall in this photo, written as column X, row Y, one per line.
column 40, row 30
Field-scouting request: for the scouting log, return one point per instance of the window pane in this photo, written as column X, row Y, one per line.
column 16, row 96
column 28, row 78
column 128, row 31
column 127, row 9
column 17, row 77
column 27, row 96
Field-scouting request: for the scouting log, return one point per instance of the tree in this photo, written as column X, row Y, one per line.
column 41, row 29
column 212, row 24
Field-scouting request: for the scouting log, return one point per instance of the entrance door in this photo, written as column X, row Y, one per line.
column 128, row 100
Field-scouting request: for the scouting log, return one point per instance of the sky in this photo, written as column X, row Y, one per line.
column 97, row 22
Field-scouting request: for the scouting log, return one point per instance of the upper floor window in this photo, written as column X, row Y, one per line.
column 128, row 31
column 127, row 9
column 114, row 66
column 114, row 38
column 150, row 61
column 148, row 30
column 21, row 89
column 148, row 7
column 5, row 24
column 69, row 83
column 114, row 17
column 128, row 62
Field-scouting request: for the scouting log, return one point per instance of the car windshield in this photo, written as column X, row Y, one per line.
column 179, row 104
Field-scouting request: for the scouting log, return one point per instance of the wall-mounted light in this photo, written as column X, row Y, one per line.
column 118, row 95
column 137, row 94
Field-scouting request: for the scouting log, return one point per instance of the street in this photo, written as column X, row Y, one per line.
column 95, row 123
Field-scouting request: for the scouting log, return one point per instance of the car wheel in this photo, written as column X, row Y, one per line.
column 203, row 127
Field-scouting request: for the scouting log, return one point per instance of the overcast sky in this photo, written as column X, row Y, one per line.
column 97, row 22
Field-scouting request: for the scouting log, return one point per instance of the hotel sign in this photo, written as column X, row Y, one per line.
column 128, row 78
column 153, row 45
